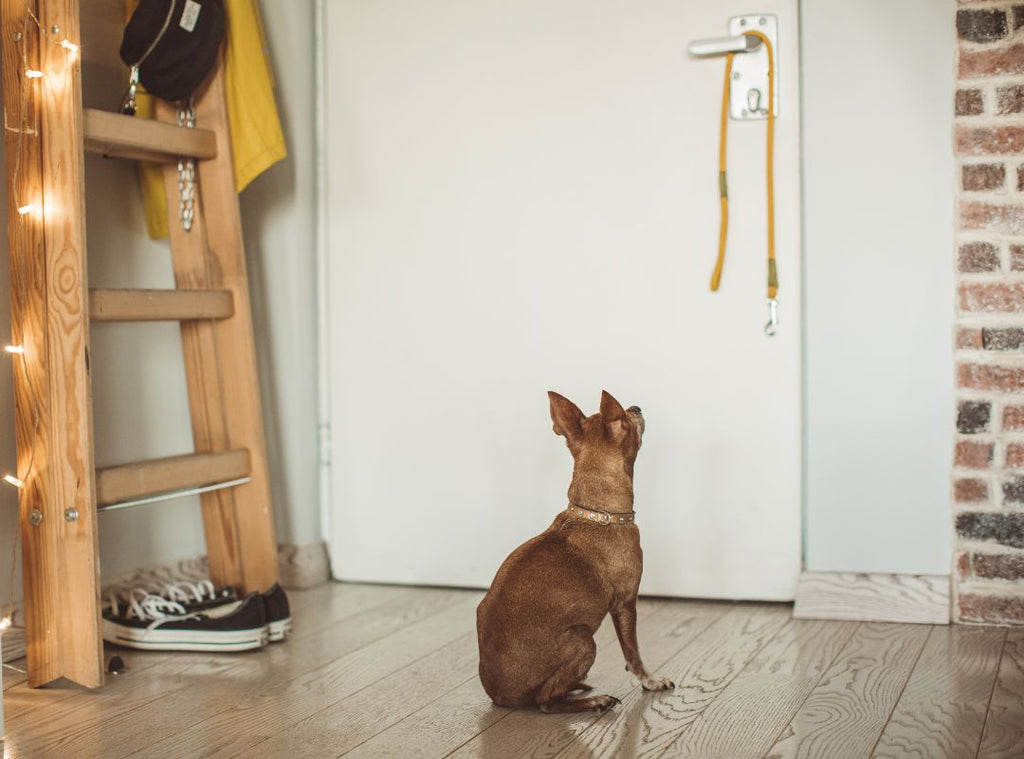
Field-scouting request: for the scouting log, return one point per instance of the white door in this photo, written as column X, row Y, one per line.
column 522, row 197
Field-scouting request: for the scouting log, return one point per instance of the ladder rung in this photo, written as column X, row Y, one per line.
column 159, row 305
column 121, row 136
column 127, row 481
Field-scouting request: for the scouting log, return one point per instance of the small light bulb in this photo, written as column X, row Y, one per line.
column 70, row 46
column 33, row 74
column 20, row 349
column 5, row 623
column 26, row 209
column 10, row 478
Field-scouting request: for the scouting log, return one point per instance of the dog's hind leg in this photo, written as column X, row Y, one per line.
column 579, row 652
column 591, row 704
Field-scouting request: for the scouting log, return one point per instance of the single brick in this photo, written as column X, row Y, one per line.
column 973, row 454
column 1004, row 527
column 1017, row 258
column 963, row 565
column 974, row 416
column 1010, row 99
column 978, row 256
column 970, row 491
column 992, row 217
column 1013, row 490
column 969, row 337
column 969, row 103
column 999, row 566
column 983, row 176
column 1003, row 339
column 1007, row 61
column 1000, row 140
column 991, row 297
column 1013, row 418
column 1006, row 379
column 1015, row 456
column 992, row 609
column 985, row 25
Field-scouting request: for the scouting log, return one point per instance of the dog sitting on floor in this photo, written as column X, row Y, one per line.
column 537, row 622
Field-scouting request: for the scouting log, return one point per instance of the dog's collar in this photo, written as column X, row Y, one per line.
column 601, row 517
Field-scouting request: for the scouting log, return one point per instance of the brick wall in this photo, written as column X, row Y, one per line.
column 988, row 480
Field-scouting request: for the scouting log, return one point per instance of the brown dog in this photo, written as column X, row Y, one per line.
column 536, row 624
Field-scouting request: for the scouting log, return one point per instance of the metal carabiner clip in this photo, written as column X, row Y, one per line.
column 128, row 101
column 773, row 318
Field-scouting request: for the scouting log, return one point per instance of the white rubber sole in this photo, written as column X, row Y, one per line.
column 276, row 631
column 184, row 640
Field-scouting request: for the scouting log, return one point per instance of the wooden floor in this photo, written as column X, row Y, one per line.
column 375, row 671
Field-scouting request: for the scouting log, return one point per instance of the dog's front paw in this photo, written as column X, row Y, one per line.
column 657, row 683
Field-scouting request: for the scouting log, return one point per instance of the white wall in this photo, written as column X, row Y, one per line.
column 878, row 182
column 140, row 400
column 279, row 218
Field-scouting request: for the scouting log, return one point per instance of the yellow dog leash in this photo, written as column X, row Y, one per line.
column 773, row 277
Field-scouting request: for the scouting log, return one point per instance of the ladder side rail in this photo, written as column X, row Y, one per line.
column 61, row 549
column 220, row 356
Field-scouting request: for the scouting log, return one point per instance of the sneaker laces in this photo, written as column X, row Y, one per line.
column 187, row 592
column 147, row 607
column 181, row 592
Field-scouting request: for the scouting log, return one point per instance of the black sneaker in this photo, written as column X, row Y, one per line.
column 158, row 624
column 193, row 596
column 279, row 617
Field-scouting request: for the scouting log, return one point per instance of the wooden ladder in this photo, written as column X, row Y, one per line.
column 46, row 134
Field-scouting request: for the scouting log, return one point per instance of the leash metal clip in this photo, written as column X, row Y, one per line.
column 128, row 101
column 773, row 317
column 606, row 518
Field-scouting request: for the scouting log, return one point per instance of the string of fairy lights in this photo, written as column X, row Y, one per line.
column 31, row 76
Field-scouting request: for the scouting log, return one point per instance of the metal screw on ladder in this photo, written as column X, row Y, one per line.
column 35, row 518
column 71, row 515
column 186, row 171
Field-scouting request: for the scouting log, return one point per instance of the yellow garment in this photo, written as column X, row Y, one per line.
column 257, row 142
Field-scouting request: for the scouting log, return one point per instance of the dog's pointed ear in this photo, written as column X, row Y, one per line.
column 566, row 416
column 611, row 409
column 613, row 416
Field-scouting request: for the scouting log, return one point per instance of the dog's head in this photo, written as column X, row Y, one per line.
column 606, row 440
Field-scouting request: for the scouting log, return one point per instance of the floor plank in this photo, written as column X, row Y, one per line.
column 746, row 718
column 1003, row 736
column 345, row 724
column 187, row 692
column 942, row 711
column 438, row 729
column 383, row 671
column 14, row 673
column 646, row 724
column 251, row 718
column 846, row 713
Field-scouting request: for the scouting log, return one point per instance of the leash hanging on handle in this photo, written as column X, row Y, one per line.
column 773, row 277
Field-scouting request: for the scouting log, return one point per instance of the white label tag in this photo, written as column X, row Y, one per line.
column 190, row 15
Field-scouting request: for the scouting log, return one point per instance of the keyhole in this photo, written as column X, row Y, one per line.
column 754, row 100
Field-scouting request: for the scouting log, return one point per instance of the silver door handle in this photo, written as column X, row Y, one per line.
column 742, row 43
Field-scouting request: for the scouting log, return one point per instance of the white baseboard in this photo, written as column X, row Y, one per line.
column 873, row 597
column 303, row 566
